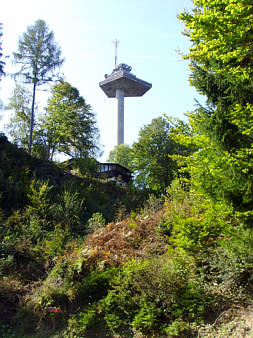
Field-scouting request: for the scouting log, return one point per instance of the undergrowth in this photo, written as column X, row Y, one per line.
column 168, row 269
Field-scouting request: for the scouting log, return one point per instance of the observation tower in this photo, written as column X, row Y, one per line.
column 122, row 83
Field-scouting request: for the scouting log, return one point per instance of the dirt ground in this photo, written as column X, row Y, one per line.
column 236, row 322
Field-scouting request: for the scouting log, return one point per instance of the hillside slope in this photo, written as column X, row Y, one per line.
column 181, row 266
column 18, row 169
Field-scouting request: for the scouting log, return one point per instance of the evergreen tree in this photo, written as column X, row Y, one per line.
column 221, row 68
column 38, row 57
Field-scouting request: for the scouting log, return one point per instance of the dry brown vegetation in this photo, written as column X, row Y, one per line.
column 133, row 237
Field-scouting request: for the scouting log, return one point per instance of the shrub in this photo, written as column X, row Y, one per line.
column 96, row 221
column 147, row 317
column 38, row 196
column 151, row 294
column 153, row 204
column 54, row 242
column 227, row 270
column 193, row 221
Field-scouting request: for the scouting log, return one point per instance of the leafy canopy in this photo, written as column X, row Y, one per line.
column 18, row 126
column 69, row 126
column 121, row 154
column 154, row 168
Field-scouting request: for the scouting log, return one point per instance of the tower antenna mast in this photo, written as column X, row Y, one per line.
column 116, row 44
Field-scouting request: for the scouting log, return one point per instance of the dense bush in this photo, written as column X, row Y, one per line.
column 151, row 295
column 228, row 268
column 194, row 222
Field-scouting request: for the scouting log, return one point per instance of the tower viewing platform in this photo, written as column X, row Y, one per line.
column 122, row 78
column 119, row 84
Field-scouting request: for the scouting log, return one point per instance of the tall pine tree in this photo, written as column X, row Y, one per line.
column 38, row 57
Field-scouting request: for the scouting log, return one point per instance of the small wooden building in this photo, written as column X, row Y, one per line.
column 114, row 172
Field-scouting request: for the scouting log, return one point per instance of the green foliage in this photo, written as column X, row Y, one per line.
column 49, row 212
column 19, row 123
column 132, row 220
column 154, row 168
column 87, row 318
column 221, row 68
column 84, row 167
column 54, row 242
column 179, row 328
column 221, row 47
column 69, row 210
column 122, row 155
column 150, row 294
column 147, row 317
column 38, row 196
column 6, row 331
column 38, row 56
column 194, row 221
column 205, row 219
column 96, row 221
column 56, row 290
column 229, row 267
column 69, row 126
column 64, row 288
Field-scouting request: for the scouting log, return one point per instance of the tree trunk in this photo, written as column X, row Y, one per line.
column 32, row 120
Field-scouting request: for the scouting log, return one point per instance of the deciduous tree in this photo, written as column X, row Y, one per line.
column 154, row 168
column 122, row 155
column 69, row 125
column 19, row 122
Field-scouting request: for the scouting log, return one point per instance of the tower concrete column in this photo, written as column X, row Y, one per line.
column 120, row 123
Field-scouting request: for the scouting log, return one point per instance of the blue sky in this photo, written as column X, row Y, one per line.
column 149, row 35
